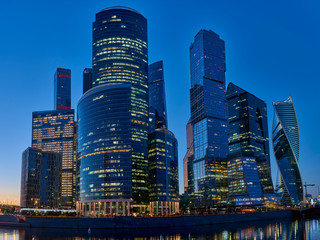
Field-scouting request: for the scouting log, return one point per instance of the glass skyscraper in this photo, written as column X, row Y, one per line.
column 113, row 117
column 209, row 117
column 286, row 146
column 244, row 183
column 157, row 98
column 87, row 79
column 40, row 179
column 188, row 158
column 163, row 172
column 162, row 149
column 62, row 89
column 54, row 131
column 248, row 135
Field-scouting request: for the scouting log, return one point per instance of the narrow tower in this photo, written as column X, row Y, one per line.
column 62, row 89
column 286, row 146
column 209, row 117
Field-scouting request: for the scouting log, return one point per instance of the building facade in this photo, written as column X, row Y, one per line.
column 40, row 179
column 163, row 172
column 113, row 140
column 157, row 98
column 87, row 79
column 248, row 133
column 62, row 89
column 286, row 147
column 188, row 158
column 244, row 182
column 54, row 131
column 209, row 118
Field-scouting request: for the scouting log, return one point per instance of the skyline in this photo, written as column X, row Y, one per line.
column 247, row 61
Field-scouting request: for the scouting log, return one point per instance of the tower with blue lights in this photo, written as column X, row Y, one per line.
column 209, row 118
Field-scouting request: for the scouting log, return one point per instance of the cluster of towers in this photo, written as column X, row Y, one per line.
column 119, row 157
column 228, row 159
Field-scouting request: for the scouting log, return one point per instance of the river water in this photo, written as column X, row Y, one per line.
column 278, row 230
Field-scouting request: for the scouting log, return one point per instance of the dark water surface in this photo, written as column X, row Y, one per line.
column 278, row 230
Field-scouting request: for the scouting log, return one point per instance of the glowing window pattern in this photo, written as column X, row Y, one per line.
column 54, row 131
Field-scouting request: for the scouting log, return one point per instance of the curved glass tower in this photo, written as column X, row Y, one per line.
column 113, row 117
column 163, row 172
column 285, row 141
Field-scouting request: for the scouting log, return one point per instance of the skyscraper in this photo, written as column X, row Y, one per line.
column 62, row 89
column 209, row 117
column 87, row 79
column 163, row 172
column 188, row 158
column 113, row 117
column 40, row 179
column 248, row 134
column 244, row 183
column 54, row 131
column 157, row 98
column 286, row 146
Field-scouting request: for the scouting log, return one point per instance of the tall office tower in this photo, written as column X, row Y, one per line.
column 244, row 183
column 248, row 133
column 62, row 89
column 188, row 158
column 163, row 172
column 87, row 79
column 157, row 98
column 40, row 179
column 113, row 116
column 286, row 144
column 54, row 131
column 209, row 118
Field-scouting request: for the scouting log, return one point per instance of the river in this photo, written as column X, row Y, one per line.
column 278, row 230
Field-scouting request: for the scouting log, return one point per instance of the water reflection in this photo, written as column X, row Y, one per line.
column 277, row 230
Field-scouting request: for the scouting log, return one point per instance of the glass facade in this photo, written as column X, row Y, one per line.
column 40, row 179
column 113, row 115
column 163, row 166
column 157, row 98
column 62, row 89
column 189, row 156
column 120, row 51
column 286, row 144
column 209, row 116
column 248, row 131
column 54, row 131
column 244, row 183
column 87, row 79
column 105, row 143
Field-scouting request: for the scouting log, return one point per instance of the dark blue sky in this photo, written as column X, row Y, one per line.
column 272, row 50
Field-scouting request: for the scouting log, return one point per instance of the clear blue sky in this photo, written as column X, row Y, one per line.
column 272, row 50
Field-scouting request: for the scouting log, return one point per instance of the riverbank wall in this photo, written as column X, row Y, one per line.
column 152, row 222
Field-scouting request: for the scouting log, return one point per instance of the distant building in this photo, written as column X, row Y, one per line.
column 188, row 158
column 62, row 89
column 286, row 146
column 40, row 179
column 113, row 117
column 163, row 172
column 157, row 97
column 54, row 131
column 248, row 134
column 209, row 119
column 87, row 79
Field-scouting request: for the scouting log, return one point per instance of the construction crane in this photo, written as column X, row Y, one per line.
column 308, row 185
